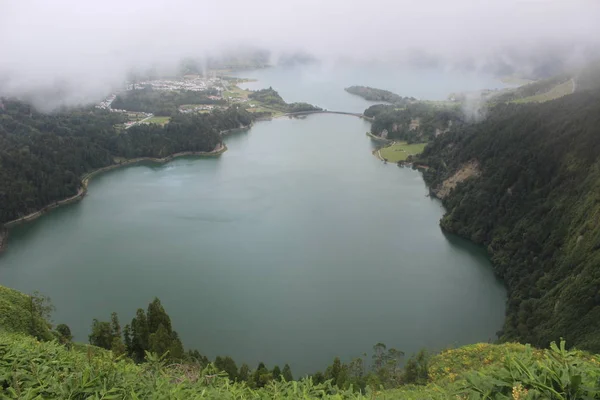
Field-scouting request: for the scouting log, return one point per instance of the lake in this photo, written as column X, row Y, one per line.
column 296, row 245
column 323, row 84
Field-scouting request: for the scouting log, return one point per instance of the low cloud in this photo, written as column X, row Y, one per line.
column 80, row 51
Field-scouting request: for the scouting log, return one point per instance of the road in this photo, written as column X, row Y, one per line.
column 140, row 122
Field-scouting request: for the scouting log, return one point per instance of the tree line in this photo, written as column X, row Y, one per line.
column 151, row 332
column 270, row 98
column 43, row 156
column 373, row 94
column 414, row 123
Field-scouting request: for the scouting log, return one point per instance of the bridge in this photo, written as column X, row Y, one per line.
column 359, row 115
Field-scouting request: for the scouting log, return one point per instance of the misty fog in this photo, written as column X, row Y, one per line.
column 80, row 51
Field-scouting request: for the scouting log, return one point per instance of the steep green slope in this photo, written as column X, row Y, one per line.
column 18, row 314
column 534, row 202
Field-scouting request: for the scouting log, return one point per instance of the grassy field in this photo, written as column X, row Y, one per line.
column 441, row 103
column 399, row 151
column 158, row 120
column 557, row 91
column 236, row 92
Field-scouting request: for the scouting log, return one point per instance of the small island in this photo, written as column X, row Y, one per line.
column 373, row 94
column 269, row 98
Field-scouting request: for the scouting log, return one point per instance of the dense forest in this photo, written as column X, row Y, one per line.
column 43, row 156
column 417, row 122
column 373, row 94
column 161, row 102
column 270, row 98
column 534, row 203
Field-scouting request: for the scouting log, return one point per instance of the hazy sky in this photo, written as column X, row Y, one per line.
column 90, row 45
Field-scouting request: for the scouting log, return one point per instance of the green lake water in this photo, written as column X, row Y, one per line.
column 296, row 245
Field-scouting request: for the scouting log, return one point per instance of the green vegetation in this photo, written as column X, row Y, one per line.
column 557, row 91
column 44, row 156
column 30, row 369
column 21, row 313
column 234, row 93
column 535, row 207
column 145, row 359
column 372, row 94
column 538, row 91
column 158, row 120
column 265, row 102
column 417, row 122
column 400, row 151
column 269, row 98
column 160, row 102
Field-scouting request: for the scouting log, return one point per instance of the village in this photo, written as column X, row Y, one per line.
column 223, row 89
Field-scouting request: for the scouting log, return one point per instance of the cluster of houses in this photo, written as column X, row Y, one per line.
column 106, row 103
column 195, row 84
column 199, row 107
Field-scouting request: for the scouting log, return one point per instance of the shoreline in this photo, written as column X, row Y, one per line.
column 3, row 238
column 85, row 180
column 4, row 228
column 379, row 139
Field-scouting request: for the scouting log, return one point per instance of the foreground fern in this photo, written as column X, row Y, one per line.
column 559, row 374
column 47, row 370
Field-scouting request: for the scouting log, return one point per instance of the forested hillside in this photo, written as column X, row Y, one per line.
column 270, row 98
column 533, row 199
column 416, row 122
column 373, row 94
column 43, row 156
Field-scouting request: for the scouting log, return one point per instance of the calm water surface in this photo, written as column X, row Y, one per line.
column 295, row 246
column 323, row 85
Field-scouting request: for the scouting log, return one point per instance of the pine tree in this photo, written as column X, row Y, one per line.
column 127, row 340
column 115, row 326
column 101, row 335
column 287, row 373
column 176, row 351
column 139, row 335
column 244, row 374
column 334, row 371
column 276, row 373
column 195, row 357
column 262, row 376
column 64, row 333
column 160, row 341
column 227, row 365
column 158, row 316
column 118, row 347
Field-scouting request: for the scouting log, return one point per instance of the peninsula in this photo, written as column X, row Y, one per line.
column 373, row 94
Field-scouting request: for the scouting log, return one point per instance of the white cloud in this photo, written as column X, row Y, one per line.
column 92, row 44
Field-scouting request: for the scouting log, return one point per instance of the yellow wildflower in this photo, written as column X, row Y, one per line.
column 519, row 392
